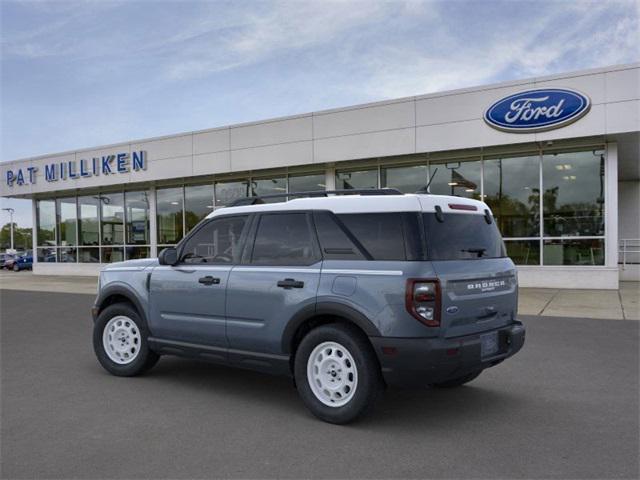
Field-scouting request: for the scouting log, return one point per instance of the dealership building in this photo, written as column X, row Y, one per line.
column 557, row 158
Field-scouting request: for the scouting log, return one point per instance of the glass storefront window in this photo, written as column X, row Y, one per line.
column 112, row 218
column 67, row 255
column 133, row 253
column 523, row 252
column 112, row 254
column 46, row 218
column 169, row 207
column 47, row 255
column 88, row 220
column 67, row 221
column 461, row 179
column 307, row 183
column 269, row 186
column 512, row 190
column 406, row 179
column 89, row 255
column 362, row 179
column 198, row 203
column 574, row 252
column 228, row 192
column 573, row 198
column 137, row 217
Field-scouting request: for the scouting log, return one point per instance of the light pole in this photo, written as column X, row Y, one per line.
column 11, row 212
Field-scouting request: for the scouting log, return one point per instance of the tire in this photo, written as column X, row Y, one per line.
column 16, row 268
column 457, row 382
column 127, row 357
column 352, row 380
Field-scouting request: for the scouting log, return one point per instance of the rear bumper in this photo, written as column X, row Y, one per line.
column 424, row 361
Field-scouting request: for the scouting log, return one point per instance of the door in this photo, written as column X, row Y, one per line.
column 278, row 277
column 188, row 299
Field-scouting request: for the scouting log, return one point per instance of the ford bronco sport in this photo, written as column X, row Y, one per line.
column 345, row 293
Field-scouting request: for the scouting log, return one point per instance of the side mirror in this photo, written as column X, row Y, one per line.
column 168, row 256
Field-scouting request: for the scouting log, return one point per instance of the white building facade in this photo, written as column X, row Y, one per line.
column 557, row 158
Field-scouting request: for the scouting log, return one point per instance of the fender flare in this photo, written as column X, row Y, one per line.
column 327, row 308
column 121, row 290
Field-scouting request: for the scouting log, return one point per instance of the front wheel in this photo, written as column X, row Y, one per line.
column 337, row 373
column 16, row 268
column 120, row 341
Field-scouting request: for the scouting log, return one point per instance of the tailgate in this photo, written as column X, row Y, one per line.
column 477, row 295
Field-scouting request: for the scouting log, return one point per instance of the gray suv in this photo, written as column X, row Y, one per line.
column 346, row 292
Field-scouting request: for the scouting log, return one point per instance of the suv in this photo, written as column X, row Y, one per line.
column 345, row 293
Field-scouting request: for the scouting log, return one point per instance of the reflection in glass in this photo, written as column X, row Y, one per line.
column 461, row 179
column 67, row 213
column 133, row 253
column 67, row 255
column 112, row 218
column 47, row 255
column 573, row 198
column 574, row 252
column 89, row 255
column 307, row 183
column 523, row 252
column 169, row 206
column 269, row 186
column 112, row 254
column 362, row 179
column 88, row 220
column 137, row 217
column 46, row 218
column 406, row 179
column 228, row 192
column 512, row 190
column 198, row 203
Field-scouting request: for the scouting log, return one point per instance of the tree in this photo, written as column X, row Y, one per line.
column 21, row 237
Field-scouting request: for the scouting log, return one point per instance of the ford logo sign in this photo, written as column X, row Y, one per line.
column 537, row 110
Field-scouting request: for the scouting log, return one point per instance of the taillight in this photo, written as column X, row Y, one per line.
column 423, row 300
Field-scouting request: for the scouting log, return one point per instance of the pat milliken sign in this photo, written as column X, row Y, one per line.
column 117, row 163
column 537, row 110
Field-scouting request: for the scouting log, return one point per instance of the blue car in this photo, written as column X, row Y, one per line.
column 23, row 262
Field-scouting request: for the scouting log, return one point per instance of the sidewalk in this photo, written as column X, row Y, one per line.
column 623, row 304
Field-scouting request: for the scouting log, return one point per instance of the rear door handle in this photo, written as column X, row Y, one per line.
column 290, row 283
column 209, row 280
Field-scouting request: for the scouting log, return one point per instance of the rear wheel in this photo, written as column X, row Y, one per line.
column 457, row 382
column 337, row 373
column 120, row 341
column 16, row 268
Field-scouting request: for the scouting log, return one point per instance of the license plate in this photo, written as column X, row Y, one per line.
column 489, row 344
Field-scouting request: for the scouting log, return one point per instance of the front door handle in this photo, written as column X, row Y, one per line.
column 209, row 280
column 290, row 283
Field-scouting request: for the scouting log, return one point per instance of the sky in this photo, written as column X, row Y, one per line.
column 86, row 73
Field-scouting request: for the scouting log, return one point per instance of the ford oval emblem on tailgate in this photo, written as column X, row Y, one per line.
column 452, row 310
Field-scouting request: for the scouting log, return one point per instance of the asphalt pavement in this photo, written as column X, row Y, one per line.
column 565, row 407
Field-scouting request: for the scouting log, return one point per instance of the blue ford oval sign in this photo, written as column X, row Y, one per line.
column 537, row 110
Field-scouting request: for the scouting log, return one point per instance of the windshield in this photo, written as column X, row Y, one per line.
column 462, row 236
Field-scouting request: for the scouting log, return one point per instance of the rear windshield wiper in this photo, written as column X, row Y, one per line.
column 479, row 251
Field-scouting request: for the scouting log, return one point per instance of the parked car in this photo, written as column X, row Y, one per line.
column 23, row 262
column 345, row 293
column 7, row 262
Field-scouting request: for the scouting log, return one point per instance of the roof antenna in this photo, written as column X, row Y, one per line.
column 425, row 189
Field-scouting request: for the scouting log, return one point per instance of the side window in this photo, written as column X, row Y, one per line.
column 284, row 239
column 334, row 241
column 217, row 242
column 381, row 234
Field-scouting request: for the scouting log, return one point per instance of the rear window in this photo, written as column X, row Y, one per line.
column 462, row 236
column 381, row 234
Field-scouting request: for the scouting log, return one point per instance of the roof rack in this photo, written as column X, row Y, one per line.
column 258, row 200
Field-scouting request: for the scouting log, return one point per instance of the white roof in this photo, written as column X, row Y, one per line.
column 364, row 204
